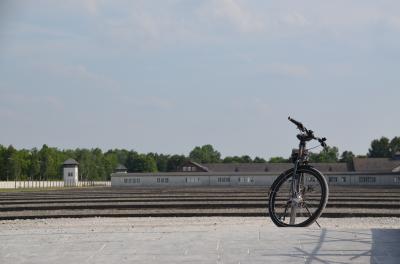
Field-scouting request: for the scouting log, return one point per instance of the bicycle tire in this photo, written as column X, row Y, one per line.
column 313, row 182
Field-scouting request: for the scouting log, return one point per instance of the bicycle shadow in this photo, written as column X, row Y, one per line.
column 341, row 246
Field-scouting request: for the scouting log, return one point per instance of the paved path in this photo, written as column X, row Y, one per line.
column 198, row 240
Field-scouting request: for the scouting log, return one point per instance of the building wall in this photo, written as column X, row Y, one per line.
column 70, row 175
column 210, row 179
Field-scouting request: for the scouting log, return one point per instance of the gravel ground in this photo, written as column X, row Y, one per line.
column 97, row 223
column 198, row 240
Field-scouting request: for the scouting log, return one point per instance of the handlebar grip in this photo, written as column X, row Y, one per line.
column 322, row 142
column 297, row 123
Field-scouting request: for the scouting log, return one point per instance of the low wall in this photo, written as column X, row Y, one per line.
column 49, row 184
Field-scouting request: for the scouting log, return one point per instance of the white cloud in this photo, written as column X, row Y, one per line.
column 394, row 22
column 156, row 102
column 234, row 13
column 81, row 73
column 8, row 114
column 23, row 100
column 294, row 19
column 91, row 6
column 148, row 102
column 285, row 70
column 253, row 105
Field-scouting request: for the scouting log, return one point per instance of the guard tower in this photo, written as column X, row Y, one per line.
column 70, row 171
column 121, row 169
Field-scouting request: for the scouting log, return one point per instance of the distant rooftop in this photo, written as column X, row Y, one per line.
column 271, row 167
column 375, row 164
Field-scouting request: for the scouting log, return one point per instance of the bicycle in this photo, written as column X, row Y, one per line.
column 299, row 195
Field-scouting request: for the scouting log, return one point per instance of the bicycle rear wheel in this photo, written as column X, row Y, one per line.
column 303, row 209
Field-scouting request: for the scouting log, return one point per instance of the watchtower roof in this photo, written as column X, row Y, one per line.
column 70, row 162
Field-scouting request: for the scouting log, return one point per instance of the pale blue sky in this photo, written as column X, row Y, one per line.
column 165, row 76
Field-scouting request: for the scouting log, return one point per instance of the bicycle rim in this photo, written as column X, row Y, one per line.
column 308, row 206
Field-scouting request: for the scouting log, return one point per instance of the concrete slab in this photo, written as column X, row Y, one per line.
column 198, row 240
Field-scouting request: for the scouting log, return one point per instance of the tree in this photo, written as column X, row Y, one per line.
column 259, row 160
column 394, row 145
column 246, row 159
column 130, row 160
column 242, row 159
column 347, row 156
column 83, row 156
column 379, row 148
column 9, row 163
column 205, row 154
column 328, row 154
column 278, row 160
column 3, row 168
column 140, row 162
column 21, row 161
column 161, row 161
column 34, row 165
column 110, row 163
column 175, row 162
column 232, row 159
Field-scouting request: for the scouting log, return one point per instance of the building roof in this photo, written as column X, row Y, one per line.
column 375, row 164
column 271, row 167
column 198, row 165
column 70, row 162
column 397, row 169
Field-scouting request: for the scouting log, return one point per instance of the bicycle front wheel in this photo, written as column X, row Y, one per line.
column 302, row 209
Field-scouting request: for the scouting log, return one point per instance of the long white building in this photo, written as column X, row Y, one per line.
column 363, row 172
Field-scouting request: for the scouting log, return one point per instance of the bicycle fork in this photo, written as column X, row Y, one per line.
column 295, row 192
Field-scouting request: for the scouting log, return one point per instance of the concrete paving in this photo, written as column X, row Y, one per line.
column 198, row 240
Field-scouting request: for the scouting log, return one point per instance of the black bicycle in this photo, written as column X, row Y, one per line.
column 299, row 195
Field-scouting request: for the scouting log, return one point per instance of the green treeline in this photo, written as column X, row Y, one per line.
column 94, row 164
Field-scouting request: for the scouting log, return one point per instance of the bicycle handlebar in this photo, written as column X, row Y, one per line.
column 297, row 123
column 309, row 133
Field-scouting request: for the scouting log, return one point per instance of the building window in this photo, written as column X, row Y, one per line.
column 162, row 180
column 367, row 179
column 397, row 179
column 192, row 179
column 246, row 179
column 224, row 179
column 135, row 180
column 344, row 179
column 132, row 180
column 332, row 179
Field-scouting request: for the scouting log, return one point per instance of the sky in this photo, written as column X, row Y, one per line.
column 166, row 76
